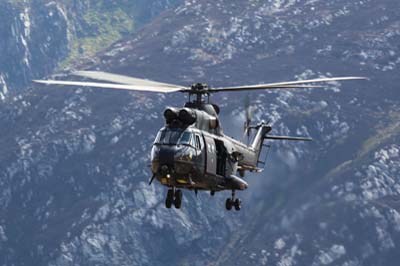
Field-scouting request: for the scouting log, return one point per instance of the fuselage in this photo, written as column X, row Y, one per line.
column 191, row 151
column 194, row 159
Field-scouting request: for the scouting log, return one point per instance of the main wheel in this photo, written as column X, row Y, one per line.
column 228, row 204
column 169, row 199
column 178, row 199
column 238, row 204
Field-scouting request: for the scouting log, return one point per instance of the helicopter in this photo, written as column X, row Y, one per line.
column 191, row 151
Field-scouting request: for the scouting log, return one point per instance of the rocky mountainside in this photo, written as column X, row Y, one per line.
column 73, row 163
column 39, row 36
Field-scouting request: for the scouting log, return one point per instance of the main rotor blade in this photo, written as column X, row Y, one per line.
column 111, row 86
column 287, row 138
column 121, row 79
column 287, row 85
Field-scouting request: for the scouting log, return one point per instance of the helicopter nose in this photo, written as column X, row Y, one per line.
column 162, row 158
column 166, row 156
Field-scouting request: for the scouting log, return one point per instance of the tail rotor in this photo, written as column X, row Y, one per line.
column 248, row 118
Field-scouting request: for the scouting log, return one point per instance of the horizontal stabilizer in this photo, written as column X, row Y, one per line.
column 288, row 138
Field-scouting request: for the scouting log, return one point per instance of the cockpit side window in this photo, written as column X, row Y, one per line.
column 160, row 135
column 164, row 137
column 185, row 139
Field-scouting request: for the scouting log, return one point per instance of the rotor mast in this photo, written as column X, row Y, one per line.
column 199, row 89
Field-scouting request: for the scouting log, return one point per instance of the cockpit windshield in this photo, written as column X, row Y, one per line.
column 174, row 137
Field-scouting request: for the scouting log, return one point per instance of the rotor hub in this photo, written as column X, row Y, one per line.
column 199, row 87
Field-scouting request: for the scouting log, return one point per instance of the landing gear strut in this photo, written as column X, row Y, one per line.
column 174, row 197
column 232, row 202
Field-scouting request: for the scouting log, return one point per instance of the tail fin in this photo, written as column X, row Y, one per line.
column 262, row 133
column 262, row 130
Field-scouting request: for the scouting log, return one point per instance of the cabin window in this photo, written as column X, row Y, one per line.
column 198, row 145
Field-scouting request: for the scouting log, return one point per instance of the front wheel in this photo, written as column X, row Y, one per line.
column 169, row 199
column 228, row 204
column 178, row 199
column 238, row 204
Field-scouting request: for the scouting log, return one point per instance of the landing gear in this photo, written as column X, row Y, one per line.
column 178, row 199
column 169, row 199
column 238, row 204
column 232, row 202
column 174, row 197
column 228, row 204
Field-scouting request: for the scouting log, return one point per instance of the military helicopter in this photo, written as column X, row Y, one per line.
column 191, row 150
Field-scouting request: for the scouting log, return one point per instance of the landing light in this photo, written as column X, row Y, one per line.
column 186, row 157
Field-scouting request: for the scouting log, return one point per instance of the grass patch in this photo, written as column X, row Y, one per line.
column 384, row 132
column 98, row 31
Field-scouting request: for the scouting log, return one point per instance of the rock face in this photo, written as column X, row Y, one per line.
column 38, row 36
column 31, row 35
column 73, row 163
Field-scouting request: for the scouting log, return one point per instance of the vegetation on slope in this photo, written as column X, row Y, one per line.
column 94, row 25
